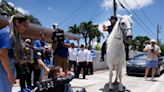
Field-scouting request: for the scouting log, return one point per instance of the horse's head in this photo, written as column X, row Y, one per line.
column 126, row 27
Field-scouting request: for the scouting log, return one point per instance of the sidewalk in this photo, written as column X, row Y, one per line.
column 98, row 81
column 90, row 80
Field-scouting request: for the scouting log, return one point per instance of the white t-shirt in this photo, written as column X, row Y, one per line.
column 82, row 55
column 89, row 58
column 150, row 53
column 72, row 54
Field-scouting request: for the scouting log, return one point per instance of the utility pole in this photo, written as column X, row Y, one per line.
column 114, row 8
column 158, row 27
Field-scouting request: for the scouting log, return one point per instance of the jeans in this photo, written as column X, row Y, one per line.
column 5, row 86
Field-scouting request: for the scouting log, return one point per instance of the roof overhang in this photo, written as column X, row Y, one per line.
column 33, row 31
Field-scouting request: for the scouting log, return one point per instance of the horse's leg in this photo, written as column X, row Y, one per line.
column 110, row 77
column 120, row 78
column 116, row 69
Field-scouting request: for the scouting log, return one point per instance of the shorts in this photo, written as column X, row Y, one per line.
column 152, row 64
column 62, row 62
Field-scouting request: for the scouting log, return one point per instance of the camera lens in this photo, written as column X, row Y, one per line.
column 152, row 50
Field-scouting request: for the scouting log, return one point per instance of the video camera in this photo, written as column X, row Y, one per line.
column 58, row 36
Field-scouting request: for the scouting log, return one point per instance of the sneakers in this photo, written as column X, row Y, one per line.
column 102, row 59
column 152, row 79
column 29, row 89
column 145, row 77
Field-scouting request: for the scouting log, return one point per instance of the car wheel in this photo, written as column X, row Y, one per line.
column 127, row 73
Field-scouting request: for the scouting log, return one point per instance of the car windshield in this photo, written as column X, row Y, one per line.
column 140, row 56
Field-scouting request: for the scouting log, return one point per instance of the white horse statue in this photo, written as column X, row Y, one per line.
column 115, row 48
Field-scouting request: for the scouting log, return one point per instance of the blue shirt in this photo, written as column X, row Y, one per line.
column 40, row 45
column 6, row 42
column 61, row 50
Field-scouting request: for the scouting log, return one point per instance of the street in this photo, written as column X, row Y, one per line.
column 97, row 82
column 132, row 83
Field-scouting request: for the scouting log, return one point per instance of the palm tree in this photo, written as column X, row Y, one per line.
column 94, row 33
column 84, row 29
column 91, row 32
column 88, row 30
column 74, row 29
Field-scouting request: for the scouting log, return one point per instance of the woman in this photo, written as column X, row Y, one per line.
column 10, row 45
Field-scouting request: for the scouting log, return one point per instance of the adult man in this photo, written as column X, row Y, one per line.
column 60, row 47
column 82, row 61
column 90, row 61
column 39, row 49
column 73, row 58
column 153, row 51
column 113, row 20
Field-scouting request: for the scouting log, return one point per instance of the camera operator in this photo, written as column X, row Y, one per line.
column 60, row 47
column 153, row 51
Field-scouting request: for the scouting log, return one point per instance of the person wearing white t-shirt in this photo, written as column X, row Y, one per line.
column 73, row 58
column 153, row 52
column 82, row 61
column 90, row 61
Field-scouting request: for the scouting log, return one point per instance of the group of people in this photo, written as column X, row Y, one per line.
column 36, row 57
column 81, row 59
column 21, row 58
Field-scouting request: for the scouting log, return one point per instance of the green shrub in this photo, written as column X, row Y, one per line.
column 97, row 47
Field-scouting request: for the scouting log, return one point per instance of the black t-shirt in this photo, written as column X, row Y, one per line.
column 110, row 28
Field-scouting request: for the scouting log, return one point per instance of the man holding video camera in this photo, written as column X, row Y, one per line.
column 153, row 51
column 60, row 47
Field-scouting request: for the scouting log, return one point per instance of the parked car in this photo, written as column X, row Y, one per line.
column 137, row 65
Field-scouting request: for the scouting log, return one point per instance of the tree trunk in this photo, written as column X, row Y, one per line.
column 85, row 39
column 90, row 41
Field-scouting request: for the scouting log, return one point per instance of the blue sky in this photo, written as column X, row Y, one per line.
column 69, row 12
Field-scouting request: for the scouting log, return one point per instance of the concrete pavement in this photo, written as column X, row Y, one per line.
column 97, row 82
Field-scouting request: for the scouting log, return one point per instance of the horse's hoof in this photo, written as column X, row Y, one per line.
column 110, row 90
column 120, row 87
column 110, row 86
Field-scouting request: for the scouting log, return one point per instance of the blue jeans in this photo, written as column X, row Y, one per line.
column 5, row 85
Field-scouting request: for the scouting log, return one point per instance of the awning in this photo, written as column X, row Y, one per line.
column 33, row 31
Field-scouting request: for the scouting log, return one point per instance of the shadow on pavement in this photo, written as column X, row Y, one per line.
column 115, row 88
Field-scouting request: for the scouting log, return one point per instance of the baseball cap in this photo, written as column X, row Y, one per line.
column 113, row 17
column 153, row 40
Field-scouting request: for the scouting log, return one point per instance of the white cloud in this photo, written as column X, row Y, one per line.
column 132, row 3
column 10, row 3
column 49, row 8
column 22, row 10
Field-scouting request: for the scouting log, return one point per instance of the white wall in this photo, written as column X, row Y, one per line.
column 96, row 62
